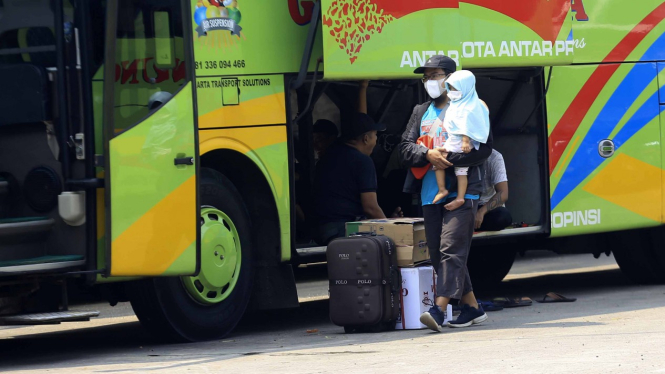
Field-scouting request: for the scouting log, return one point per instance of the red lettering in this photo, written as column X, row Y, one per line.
column 294, row 9
column 577, row 6
column 129, row 71
column 162, row 75
column 179, row 70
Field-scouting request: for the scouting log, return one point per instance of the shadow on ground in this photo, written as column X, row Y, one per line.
column 279, row 332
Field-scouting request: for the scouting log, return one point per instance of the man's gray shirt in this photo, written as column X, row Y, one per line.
column 495, row 172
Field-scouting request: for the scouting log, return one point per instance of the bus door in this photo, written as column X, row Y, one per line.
column 150, row 141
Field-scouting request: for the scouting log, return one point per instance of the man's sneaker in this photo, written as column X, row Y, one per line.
column 434, row 318
column 469, row 316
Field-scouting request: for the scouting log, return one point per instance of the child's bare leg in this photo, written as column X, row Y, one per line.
column 441, row 183
column 466, row 144
column 462, row 183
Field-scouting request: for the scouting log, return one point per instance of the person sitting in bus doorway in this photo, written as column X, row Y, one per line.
column 345, row 181
column 492, row 213
column 324, row 131
column 449, row 231
column 324, row 134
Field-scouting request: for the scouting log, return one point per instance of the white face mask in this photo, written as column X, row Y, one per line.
column 434, row 88
column 455, row 95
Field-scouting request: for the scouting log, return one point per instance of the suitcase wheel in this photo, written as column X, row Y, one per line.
column 349, row 329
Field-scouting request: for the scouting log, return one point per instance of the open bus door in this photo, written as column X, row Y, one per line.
column 150, row 141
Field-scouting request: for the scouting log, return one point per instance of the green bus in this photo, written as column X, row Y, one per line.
column 148, row 148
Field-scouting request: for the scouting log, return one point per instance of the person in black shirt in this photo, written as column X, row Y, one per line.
column 345, row 180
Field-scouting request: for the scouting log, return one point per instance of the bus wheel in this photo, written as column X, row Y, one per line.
column 640, row 254
column 210, row 304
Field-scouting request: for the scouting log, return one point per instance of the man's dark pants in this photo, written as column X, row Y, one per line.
column 497, row 219
column 451, row 232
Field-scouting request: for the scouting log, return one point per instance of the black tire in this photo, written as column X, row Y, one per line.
column 488, row 265
column 640, row 254
column 165, row 307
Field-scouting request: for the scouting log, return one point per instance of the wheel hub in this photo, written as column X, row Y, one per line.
column 220, row 258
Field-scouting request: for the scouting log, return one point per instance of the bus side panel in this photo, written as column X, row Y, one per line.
column 267, row 147
column 251, row 37
column 591, row 192
column 661, row 99
column 247, row 114
column 250, row 100
column 608, row 31
column 388, row 39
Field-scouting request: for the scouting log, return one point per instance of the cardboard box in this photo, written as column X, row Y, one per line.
column 418, row 287
column 417, row 296
column 407, row 233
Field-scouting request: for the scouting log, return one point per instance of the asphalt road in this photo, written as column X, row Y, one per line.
column 614, row 326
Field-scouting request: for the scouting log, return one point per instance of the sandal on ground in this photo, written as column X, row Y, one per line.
column 512, row 302
column 553, row 297
column 489, row 306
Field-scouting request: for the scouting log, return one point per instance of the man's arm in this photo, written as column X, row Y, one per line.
column 371, row 205
column 475, row 157
column 412, row 154
column 500, row 197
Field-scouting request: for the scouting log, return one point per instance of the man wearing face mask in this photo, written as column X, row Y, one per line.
column 448, row 233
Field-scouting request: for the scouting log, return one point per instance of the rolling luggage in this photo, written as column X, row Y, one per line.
column 364, row 283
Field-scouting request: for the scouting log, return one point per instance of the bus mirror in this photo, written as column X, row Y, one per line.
column 158, row 99
column 164, row 41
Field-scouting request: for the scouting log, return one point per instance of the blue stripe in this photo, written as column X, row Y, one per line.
column 466, row 196
column 644, row 115
column 586, row 158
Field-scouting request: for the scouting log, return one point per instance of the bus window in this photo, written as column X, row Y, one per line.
column 149, row 58
column 163, row 40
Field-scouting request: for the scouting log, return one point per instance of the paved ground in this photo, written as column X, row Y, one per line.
column 614, row 327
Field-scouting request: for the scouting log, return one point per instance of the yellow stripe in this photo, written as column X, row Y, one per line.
column 565, row 159
column 242, row 140
column 162, row 234
column 266, row 110
column 631, row 184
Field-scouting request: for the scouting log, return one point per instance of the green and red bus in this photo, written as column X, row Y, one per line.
column 148, row 148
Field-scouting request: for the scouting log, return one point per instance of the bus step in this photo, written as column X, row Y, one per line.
column 49, row 318
column 27, row 229
column 311, row 255
column 42, row 260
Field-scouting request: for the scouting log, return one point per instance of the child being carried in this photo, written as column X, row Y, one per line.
column 467, row 124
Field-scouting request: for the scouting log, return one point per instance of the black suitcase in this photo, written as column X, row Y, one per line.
column 364, row 283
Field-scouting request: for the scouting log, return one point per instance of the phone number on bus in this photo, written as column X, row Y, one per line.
column 221, row 64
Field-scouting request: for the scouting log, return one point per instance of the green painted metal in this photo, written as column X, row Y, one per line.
column 221, row 256
column 143, row 175
column 269, row 37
